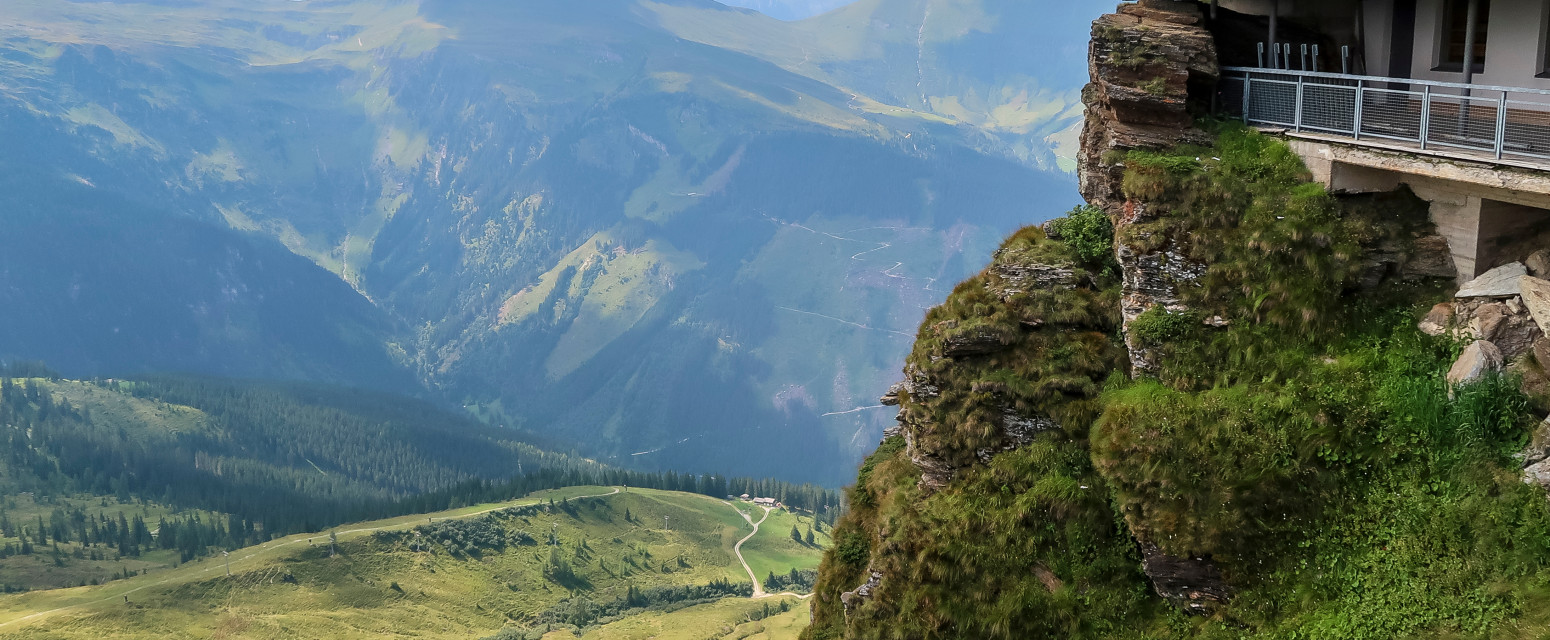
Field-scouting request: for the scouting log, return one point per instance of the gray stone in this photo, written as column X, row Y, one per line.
column 1479, row 358
column 1437, row 320
column 1536, row 296
column 1538, row 474
column 852, row 599
column 1501, row 282
column 1539, row 264
column 1542, row 352
column 1012, row 277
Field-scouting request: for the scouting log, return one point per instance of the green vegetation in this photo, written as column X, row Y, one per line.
column 126, row 475
column 558, row 562
column 1304, row 440
column 730, row 619
column 773, row 551
column 1090, row 235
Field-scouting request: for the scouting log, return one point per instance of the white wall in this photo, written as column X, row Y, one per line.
column 1513, row 52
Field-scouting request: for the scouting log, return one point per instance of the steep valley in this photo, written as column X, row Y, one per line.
column 672, row 232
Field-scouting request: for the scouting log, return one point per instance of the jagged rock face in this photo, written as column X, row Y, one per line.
column 852, row 599
column 1143, row 59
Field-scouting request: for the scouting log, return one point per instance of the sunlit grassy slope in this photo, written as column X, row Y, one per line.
column 724, row 620
column 379, row 585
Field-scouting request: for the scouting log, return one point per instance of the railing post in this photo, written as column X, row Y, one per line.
column 1426, row 113
column 1356, row 115
column 1297, row 116
column 1501, row 124
column 1248, row 79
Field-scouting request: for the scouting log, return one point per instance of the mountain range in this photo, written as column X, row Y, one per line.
column 677, row 233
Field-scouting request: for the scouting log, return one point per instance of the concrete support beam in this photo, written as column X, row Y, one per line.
column 1489, row 214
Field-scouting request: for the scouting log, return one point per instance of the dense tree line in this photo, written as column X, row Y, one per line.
column 290, row 458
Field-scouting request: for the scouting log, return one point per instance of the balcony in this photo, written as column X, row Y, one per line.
column 1490, row 124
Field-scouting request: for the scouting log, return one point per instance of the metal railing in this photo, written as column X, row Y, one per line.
column 1464, row 119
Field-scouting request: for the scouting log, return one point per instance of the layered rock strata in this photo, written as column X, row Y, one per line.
column 1144, row 60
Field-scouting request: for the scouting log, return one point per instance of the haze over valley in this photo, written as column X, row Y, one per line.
column 668, row 233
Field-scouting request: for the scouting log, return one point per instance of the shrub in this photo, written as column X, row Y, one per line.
column 1089, row 233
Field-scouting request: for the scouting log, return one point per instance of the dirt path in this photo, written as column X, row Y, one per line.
column 268, row 547
column 737, row 549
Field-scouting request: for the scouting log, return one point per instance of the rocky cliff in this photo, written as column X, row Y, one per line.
column 1198, row 407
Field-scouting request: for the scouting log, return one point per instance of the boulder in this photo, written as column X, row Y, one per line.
column 1538, row 474
column 1479, row 358
column 1542, row 352
column 1437, row 320
column 1539, row 264
column 1536, row 296
column 1513, row 333
column 1501, row 282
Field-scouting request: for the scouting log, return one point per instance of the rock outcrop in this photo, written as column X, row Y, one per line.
column 1193, row 584
column 1478, row 359
column 1144, row 60
column 852, row 599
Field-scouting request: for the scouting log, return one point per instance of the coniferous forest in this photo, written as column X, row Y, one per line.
column 279, row 459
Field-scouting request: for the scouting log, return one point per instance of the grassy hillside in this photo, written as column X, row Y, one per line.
column 457, row 574
column 730, row 619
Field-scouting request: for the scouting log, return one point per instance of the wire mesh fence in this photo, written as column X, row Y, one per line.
column 1476, row 120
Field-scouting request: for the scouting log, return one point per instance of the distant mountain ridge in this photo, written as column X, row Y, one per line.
column 676, row 232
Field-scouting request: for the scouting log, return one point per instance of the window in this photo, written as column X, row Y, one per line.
column 1544, row 41
column 1455, row 19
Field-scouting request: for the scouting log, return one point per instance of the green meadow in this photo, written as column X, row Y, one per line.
column 595, row 562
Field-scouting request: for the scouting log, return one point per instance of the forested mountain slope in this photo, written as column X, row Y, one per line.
column 605, row 219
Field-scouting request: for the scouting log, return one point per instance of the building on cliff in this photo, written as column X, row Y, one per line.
column 1374, row 94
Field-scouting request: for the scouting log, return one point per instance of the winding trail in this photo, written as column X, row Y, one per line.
column 737, row 549
column 268, row 548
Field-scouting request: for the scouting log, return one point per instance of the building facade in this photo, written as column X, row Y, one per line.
column 1448, row 97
